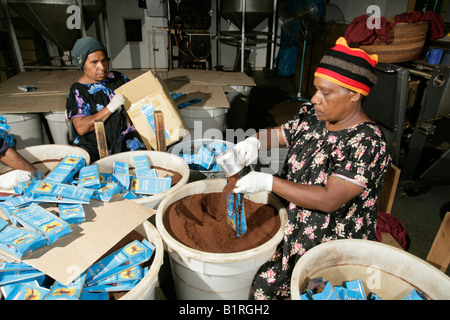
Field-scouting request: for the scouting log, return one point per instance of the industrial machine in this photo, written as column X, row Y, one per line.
column 412, row 103
column 190, row 39
column 246, row 15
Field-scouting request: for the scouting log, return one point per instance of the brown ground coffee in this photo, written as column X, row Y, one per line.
column 200, row 222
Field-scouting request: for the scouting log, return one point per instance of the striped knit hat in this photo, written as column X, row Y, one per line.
column 348, row 67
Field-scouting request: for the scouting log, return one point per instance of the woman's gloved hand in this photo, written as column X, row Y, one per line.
column 248, row 150
column 254, row 182
column 116, row 102
column 11, row 179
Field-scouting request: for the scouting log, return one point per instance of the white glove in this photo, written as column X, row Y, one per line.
column 116, row 102
column 254, row 182
column 11, row 179
column 248, row 150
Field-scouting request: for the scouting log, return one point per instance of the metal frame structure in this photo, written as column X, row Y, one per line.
column 243, row 39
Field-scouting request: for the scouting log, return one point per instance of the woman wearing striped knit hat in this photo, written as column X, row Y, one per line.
column 334, row 169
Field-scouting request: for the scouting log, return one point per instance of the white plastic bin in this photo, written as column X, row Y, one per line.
column 207, row 118
column 389, row 272
column 145, row 290
column 58, row 127
column 46, row 157
column 26, row 128
column 157, row 159
column 207, row 276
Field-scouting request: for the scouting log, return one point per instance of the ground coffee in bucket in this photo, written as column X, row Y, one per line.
column 200, row 222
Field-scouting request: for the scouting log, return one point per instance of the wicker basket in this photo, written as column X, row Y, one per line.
column 404, row 43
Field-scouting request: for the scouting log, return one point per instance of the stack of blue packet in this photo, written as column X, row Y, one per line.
column 72, row 291
column 19, row 241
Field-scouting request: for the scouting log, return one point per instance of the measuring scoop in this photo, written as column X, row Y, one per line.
column 230, row 162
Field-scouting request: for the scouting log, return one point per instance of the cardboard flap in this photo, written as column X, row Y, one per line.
column 106, row 224
column 148, row 91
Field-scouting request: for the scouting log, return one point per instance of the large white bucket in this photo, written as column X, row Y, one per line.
column 156, row 158
column 58, row 127
column 207, row 276
column 389, row 272
column 46, row 157
column 26, row 128
column 206, row 118
column 145, row 290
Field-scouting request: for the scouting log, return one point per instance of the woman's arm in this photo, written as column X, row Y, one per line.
column 270, row 138
column 85, row 124
column 14, row 160
column 328, row 198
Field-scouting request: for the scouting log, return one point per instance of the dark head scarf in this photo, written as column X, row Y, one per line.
column 85, row 46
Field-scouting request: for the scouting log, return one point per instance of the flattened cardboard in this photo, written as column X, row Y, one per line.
column 141, row 91
column 211, row 96
column 106, row 224
column 210, row 77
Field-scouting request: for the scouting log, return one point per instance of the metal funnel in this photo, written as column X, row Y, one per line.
column 49, row 17
column 256, row 11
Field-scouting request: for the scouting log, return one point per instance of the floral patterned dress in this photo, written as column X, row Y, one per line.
column 87, row 99
column 357, row 154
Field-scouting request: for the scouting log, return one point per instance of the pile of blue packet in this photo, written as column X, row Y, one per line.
column 4, row 132
column 320, row 289
column 204, row 159
column 70, row 185
column 119, row 271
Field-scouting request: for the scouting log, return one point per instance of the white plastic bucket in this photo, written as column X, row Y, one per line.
column 389, row 272
column 145, row 289
column 208, row 118
column 156, row 158
column 46, row 157
column 58, row 127
column 207, row 276
column 26, row 128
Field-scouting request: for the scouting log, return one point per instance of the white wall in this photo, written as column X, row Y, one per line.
column 140, row 55
column 135, row 55
column 355, row 8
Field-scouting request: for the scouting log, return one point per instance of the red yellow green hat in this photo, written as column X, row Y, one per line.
column 348, row 67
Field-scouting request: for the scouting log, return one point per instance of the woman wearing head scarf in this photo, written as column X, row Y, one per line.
column 334, row 169
column 92, row 98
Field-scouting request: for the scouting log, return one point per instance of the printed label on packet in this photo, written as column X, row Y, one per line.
column 138, row 259
column 72, row 213
column 149, row 113
column 19, row 241
column 66, row 169
column 106, row 192
column 70, row 292
column 236, row 213
column 34, row 217
column 114, row 260
column 150, row 185
column 89, row 177
column 28, row 292
column 62, row 190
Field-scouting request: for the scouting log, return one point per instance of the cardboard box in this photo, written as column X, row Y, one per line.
column 106, row 224
column 147, row 91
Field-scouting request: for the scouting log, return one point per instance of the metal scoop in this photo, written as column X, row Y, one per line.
column 230, row 162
